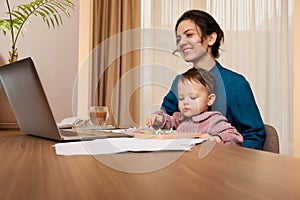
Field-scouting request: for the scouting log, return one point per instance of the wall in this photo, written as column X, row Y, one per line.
column 85, row 49
column 55, row 54
column 296, row 79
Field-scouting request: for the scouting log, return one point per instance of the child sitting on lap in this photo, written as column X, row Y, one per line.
column 196, row 94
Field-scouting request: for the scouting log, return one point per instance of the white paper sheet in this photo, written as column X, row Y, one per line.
column 117, row 145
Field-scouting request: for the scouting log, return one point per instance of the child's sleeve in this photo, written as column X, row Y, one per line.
column 222, row 128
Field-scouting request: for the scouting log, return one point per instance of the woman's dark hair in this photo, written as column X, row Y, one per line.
column 202, row 76
column 207, row 25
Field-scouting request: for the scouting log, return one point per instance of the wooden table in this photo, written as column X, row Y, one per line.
column 30, row 169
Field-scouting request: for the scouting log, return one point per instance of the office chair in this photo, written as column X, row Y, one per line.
column 272, row 141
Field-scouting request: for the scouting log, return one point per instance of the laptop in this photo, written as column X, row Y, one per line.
column 30, row 106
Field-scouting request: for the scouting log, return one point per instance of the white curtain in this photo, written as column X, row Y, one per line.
column 258, row 44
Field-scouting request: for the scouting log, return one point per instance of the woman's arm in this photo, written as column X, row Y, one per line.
column 246, row 117
column 170, row 101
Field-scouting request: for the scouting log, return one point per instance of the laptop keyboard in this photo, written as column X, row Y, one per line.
column 65, row 132
column 91, row 127
column 85, row 130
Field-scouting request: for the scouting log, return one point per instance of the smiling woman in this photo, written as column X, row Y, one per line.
column 254, row 36
column 198, row 41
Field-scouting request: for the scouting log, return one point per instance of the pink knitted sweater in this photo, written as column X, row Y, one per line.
column 211, row 122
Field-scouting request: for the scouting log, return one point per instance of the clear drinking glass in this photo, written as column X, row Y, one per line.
column 98, row 115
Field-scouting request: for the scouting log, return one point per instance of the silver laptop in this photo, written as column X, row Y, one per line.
column 29, row 103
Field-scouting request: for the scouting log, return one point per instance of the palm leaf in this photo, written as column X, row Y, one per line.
column 51, row 12
column 4, row 25
column 48, row 10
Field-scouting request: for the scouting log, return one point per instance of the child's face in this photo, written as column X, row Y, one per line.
column 194, row 98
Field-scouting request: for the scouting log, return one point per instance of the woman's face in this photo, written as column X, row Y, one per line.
column 190, row 44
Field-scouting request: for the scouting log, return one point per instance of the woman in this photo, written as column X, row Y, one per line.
column 198, row 38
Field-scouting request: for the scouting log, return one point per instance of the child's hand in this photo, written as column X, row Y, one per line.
column 177, row 117
column 211, row 137
column 155, row 120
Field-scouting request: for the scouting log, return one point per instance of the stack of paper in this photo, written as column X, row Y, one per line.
column 117, row 145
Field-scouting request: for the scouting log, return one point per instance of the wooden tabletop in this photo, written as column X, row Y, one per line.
column 30, row 169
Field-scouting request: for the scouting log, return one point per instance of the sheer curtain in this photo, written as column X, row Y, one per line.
column 258, row 44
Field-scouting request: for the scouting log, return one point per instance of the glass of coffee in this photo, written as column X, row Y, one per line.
column 98, row 115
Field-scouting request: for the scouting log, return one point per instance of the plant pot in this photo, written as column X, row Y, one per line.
column 13, row 58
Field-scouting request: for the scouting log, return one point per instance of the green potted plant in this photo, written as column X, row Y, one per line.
column 50, row 11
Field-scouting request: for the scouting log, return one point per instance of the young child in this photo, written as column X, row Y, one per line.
column 196, row 94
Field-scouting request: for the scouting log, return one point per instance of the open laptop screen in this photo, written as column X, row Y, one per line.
column 28, row 100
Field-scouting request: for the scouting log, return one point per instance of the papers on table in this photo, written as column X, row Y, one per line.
column 118, row 145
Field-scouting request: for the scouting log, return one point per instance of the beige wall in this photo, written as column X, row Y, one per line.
column 55, row 53
column 296, row 78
